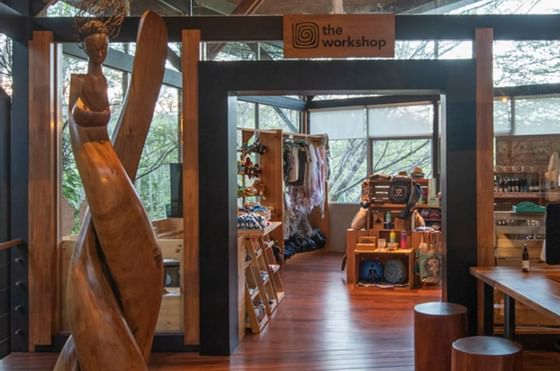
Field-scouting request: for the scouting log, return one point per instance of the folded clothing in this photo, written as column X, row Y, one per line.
column 251, row 221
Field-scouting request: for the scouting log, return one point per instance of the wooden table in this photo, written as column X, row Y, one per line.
column 538, row 289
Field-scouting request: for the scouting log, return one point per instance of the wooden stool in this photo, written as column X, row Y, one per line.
column 436, row 326
column 486, row 353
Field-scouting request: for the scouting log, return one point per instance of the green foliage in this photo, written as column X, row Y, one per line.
column 161, row 147
column 6, row 64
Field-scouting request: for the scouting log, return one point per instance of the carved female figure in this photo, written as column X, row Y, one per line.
column 115, row 281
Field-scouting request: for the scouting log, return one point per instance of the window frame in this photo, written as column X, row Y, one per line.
column 434, row 137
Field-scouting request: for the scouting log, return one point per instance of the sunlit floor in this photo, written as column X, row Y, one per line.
column 321, row 325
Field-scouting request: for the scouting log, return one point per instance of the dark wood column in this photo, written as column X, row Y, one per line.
column 19, row 156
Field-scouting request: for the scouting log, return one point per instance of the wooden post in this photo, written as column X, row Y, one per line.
column 42, row 212
column 484, row 38
column 191, row 275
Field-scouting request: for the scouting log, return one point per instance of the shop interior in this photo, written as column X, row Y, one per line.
column 312, row 205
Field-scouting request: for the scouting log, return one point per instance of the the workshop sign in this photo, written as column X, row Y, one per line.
column 339, row 36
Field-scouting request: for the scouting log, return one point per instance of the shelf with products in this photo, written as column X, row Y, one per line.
column 256, row 317
column 265, row 149
column 525, row 183
column 513, row 231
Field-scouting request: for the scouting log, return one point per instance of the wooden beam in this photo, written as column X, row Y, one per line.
column 9, row 244
column 483, row 46
column 42, row 213
column 191, row 276
column 13, row 23
column 276, row 101
column 269, row 28
column 245, row 7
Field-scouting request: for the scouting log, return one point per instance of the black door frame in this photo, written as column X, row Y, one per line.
column 220, row 82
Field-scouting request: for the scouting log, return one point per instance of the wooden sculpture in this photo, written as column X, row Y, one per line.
column 115, row 281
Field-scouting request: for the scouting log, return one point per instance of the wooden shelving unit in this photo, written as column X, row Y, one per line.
column 263, row 284
column 272, row 175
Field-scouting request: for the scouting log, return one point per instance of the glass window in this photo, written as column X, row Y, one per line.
column 401, row 121
column 153, row 181
column 526, row 62
column 421, row 49
column 393, row 156
column 161, row 148
column 537, row 116
column 72, row 200
column 433, row 49
column 274, row 51
column 245, row 115
column 6, row 64
column 339, row 124
column 231, row 51
column 502, row 116
column 454, row 49
column 62, row 9
column 271, row 117
column 348, row 161
column 502, row 7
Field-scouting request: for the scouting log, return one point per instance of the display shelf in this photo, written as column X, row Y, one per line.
column 384, row 251
column 410, row 261
column 258, row 247
column 518, row 195
column 273, row 268
column 257, row 318
column 511, row 232
column 259, row 232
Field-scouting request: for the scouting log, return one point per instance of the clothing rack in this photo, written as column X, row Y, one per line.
column 273, row 175
column 317, row 218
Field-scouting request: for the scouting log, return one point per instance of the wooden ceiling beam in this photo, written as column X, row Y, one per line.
column 222, row 7
column 181, row 6
column 245, row 7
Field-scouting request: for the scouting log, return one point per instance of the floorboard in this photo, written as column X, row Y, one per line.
column 321, row 325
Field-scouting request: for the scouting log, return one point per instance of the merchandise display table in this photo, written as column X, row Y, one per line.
column 538, row 289
column 353, row 255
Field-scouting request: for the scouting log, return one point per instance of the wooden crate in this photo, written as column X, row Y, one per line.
column 378, row 189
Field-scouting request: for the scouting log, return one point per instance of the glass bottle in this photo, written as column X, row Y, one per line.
column 525, row 259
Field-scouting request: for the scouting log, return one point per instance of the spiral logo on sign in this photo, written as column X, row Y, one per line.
column 305, row 35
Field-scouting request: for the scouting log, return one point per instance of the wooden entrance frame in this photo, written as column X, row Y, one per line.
column 221, row 82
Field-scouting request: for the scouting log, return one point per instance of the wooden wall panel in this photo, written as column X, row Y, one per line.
column 42, row 212
column 191, row 276
column 484, row 39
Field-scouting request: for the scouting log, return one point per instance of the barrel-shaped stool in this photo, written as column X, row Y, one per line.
column 486, row 353
column 436, row 326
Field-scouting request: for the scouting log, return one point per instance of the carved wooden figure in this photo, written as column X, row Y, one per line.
column 115, row 281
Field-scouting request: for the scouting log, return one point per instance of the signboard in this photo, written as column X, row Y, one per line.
column 339, row 36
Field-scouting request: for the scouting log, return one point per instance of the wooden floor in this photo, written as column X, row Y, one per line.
column 321, row 325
